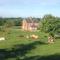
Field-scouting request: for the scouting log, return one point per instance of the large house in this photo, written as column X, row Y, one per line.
column 30, row 24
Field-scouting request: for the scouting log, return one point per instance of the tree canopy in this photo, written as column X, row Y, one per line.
column 50, row 24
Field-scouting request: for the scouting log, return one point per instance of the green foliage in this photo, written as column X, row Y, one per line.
column 2, row 21
column 50, row 24
column 11, row 21
column 51, row 33
column 18, row 22
column 2, row 29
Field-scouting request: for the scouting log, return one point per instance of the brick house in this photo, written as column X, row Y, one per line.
column 30, row 24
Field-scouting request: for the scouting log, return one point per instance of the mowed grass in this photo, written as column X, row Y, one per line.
column 17, row 46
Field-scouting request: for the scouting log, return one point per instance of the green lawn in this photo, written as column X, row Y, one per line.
column 18, row 47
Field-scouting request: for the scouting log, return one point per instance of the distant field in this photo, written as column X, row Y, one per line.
column 18, row 47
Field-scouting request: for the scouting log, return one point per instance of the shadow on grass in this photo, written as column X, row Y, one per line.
column 18, row 50
column 50, row 57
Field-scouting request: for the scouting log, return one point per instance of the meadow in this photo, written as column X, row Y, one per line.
column 17, row 47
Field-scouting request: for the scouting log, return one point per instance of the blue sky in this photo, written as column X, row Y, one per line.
column 26, row 8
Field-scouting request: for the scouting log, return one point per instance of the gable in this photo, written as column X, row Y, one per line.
column 31, row 20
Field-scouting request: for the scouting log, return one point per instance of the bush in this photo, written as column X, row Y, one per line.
column 2, row 28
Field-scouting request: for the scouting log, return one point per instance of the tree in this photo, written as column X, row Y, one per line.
column 50, row 24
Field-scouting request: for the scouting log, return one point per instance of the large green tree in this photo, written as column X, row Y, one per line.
column 50, row 24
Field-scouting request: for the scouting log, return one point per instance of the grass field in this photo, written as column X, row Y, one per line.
column 18, row 47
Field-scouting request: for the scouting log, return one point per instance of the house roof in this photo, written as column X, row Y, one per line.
column 31, row 20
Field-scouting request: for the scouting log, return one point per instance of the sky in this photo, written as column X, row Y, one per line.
column 26, row 8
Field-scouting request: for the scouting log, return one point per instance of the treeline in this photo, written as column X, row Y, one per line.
column 13, row 21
